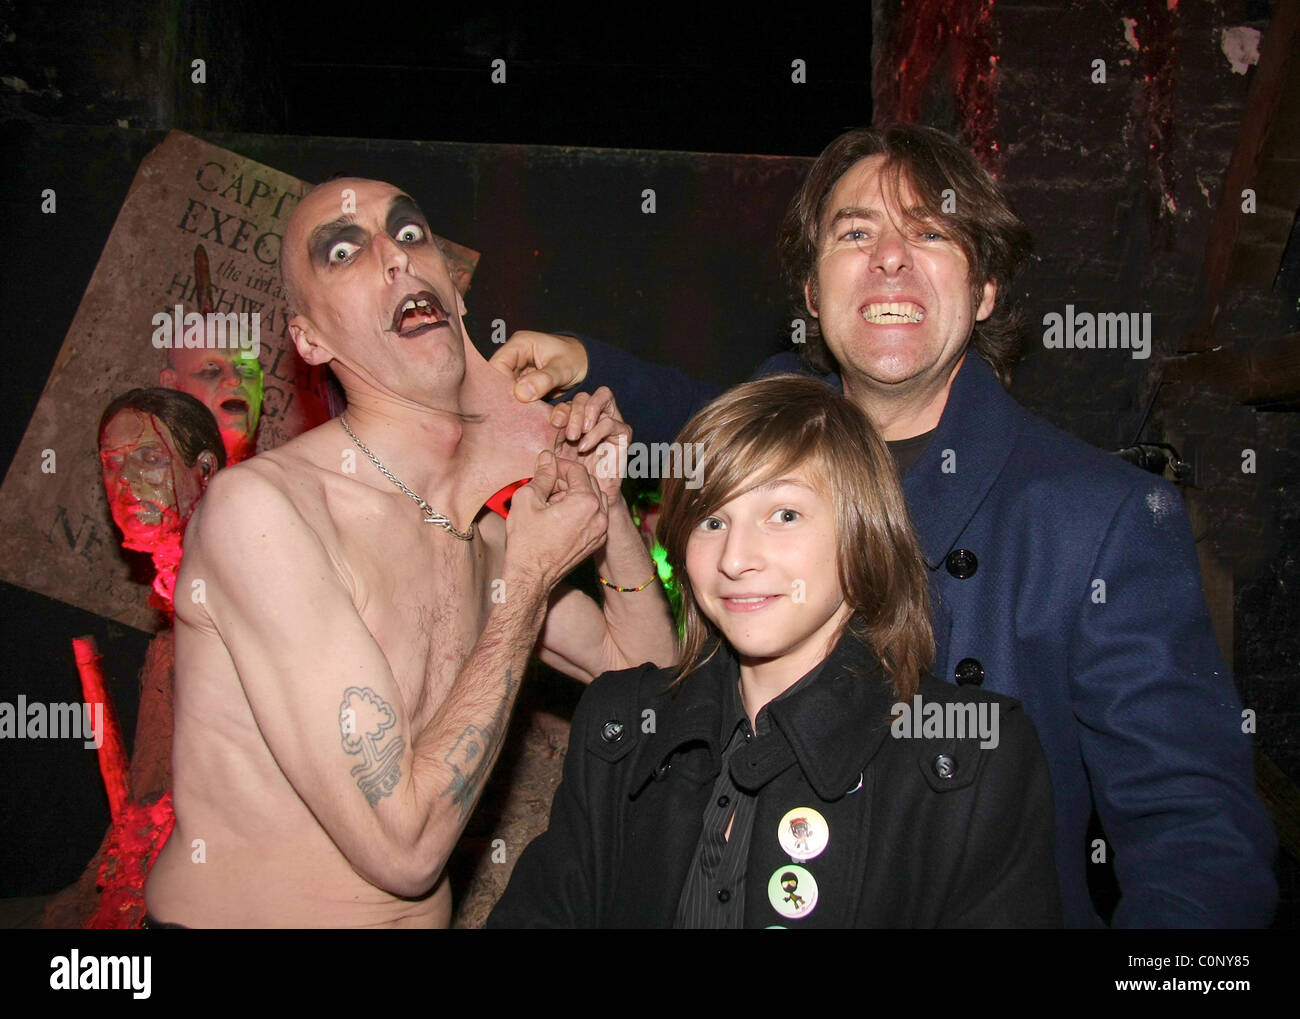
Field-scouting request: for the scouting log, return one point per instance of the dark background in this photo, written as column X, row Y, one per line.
column 1119, row 183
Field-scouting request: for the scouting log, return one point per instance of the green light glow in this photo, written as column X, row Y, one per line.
column 660, row 556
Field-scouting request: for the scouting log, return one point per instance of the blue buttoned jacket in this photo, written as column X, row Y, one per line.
column 1085, row 605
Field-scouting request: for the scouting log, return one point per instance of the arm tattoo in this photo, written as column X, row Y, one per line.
column 471, row 752
column 365, row 719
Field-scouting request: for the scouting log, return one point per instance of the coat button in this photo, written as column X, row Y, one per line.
column 612, row 731
column 962, row 563
column 724, row 895
column 944, row 766
column 970, row 672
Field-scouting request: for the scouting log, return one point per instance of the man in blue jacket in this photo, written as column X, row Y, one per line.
column 1060, row 575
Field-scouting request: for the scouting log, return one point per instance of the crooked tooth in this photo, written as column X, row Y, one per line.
column 409, row 306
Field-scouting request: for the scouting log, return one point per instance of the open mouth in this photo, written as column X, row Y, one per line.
column 417, row 313
column 234, row 405
column 893, row 313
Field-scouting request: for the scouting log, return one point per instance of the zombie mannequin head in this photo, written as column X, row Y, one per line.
column 158, row 449
column 229, row 384
column 226, row 380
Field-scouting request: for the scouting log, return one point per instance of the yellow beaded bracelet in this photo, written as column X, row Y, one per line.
column 610, row 583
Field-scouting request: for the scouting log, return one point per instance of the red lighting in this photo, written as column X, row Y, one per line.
column 113, row 764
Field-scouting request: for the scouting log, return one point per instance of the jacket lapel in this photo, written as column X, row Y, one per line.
column 837, row 724
column 980, row 426
column 664, row 809
column 835, row 728
column 832, row 728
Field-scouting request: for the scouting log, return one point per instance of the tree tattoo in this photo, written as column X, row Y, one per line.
column 364, row 718
column 470, row 754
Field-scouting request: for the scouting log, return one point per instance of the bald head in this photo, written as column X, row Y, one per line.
column 293, row 250
column 371, row 292
column 329, row 213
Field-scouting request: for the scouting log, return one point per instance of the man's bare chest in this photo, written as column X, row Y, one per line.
column 423, row 594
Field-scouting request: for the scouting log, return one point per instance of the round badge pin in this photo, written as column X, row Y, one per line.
column 792, row 891
column 803, row 833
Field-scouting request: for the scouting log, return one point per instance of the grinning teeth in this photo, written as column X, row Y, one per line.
column 409, row 306
column 893, row 311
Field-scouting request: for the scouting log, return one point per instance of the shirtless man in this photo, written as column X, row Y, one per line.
column 345, row 671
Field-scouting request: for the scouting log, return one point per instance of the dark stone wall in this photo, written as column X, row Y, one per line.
column 131, row 65
column 1119, row 182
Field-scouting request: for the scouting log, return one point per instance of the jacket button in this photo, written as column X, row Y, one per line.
column 944, row 766
column 969, row 672
column 612, row 731
column 962, row 563
column 724, row 895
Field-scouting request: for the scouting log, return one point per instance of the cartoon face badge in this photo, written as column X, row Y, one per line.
column 792, row 891
column 803, row 833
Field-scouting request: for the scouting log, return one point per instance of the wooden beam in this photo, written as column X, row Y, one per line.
column 1282, row 799
column 1270, row 373
column 1245, row 249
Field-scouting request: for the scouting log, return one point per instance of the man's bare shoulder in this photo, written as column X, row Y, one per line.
column 263, row 533
column 307, row 458
column 275, row 492
column 296, row 469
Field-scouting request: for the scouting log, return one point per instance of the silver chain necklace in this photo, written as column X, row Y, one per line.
column 431, row 515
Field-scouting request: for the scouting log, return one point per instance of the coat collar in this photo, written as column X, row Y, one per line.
column 833, row 726
column 980, row 426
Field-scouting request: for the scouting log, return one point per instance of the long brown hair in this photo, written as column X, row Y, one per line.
column 761, row 430
column 993, row 239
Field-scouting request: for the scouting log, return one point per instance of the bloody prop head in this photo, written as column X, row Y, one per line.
column 226, row 381
column 157, row 450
